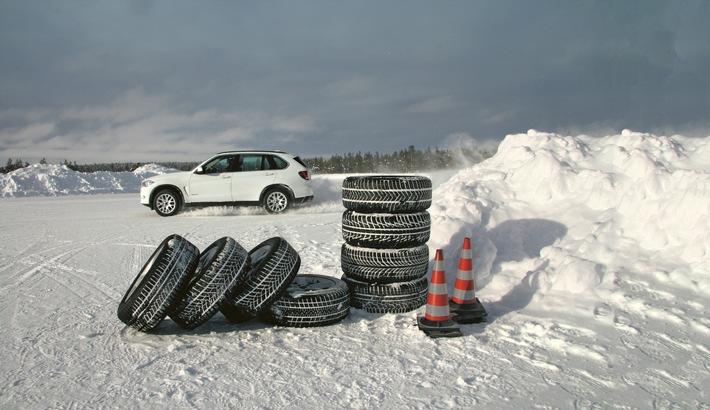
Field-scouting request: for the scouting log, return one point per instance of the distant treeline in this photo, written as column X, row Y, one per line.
column 406, row 160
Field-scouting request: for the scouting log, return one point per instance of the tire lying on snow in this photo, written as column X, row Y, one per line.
column 274, row 265
column 160, row 285
column 221, row 268
column 387, row 193
column 311, row 300
column 386, row 231
column 384, row 265
column 397, row 297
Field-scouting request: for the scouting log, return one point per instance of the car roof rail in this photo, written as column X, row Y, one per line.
column 252, row 150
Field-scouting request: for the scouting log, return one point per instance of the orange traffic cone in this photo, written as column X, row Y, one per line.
column 464, row 305
column 437, row 318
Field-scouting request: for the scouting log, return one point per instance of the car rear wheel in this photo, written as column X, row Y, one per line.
column 276, row 201
column 167, row 203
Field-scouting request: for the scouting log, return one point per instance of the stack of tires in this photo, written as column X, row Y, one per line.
column 386, row 226
column 192, row 286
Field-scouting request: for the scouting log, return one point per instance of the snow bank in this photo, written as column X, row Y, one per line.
column 54, row 180
column 554, row 213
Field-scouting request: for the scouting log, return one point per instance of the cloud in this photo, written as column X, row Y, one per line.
column 435, row 105
column 138, row 126
column 128, row 106
column 351, row 87
column 295, row 125
column 30, row 133
column 489, row 116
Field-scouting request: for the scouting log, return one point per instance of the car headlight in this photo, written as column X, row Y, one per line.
column 147, row 183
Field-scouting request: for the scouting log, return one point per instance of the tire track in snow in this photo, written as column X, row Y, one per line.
column 26, row 276
column 35, row 292
column 57, row 268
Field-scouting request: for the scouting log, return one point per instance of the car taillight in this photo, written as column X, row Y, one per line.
column 305, row 175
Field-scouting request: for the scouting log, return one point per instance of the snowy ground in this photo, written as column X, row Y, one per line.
column 592, row 259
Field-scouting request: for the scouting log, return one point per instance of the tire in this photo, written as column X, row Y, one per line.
column 167, row 202
column 386, row 231
column 160, row 284
column 399, row 297
column 274, row 265
column 276, row 201
column 384, row 265
column 221, row 268
column 387, row 193
column 311, row 300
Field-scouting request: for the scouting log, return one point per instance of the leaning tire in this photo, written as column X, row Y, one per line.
column 386, row 231
column 387, row 193
column 160, row 284
column 221, row 268
column 399, row 297
column 311, row 300
column 274, row 265
column 384, row 265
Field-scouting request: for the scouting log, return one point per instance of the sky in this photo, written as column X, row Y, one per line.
column 168, row 80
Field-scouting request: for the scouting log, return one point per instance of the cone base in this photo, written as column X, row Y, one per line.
column 434, row 329
column 468, row 313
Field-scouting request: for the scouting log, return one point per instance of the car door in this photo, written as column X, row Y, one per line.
column 252, row 174
column 214, row 182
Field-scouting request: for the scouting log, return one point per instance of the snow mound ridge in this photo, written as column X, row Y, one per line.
column 565, row 213
column 55, row 180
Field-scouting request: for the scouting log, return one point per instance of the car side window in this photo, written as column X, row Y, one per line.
column 250, row 162
column 274, row 162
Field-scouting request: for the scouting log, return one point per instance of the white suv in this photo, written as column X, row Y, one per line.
column 272, row 179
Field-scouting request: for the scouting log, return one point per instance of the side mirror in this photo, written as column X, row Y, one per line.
column 199, row 170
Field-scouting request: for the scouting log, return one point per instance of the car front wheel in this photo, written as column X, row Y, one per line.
column 167, row 203
column 276, row 201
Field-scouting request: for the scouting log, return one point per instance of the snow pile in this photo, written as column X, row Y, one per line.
column 54, row 180
column 570, row 214
column 149, row 170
